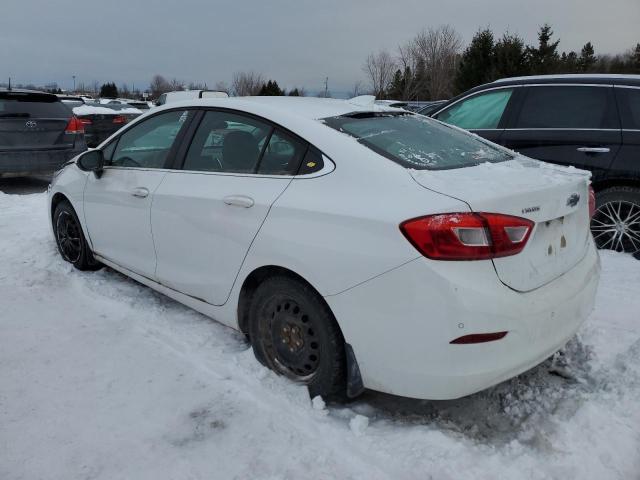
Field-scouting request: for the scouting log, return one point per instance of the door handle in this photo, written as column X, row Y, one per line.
column 239, row 200
column 593, row 149
column 140, row 192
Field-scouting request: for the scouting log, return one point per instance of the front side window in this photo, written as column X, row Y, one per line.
column 148, row 143
column 227, row 142
column 482, row 111
column 568, row 107
column 417, row 142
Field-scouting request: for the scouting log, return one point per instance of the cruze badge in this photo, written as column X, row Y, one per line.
column 573, row 200
column 31, row 124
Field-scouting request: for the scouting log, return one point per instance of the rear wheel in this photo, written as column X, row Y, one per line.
column 70, row 239
column 616, row 222
column 294, row 333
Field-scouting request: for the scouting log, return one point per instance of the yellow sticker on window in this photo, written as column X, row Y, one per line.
column 311, row 164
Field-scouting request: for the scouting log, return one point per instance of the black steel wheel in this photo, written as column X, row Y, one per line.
column 293, row 333
column 70, row 239
column 616, row 222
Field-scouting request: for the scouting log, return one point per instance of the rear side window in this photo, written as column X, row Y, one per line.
column 227, row 142
column 283, row 155
column 629, row 101
column 568, row 107
column 481, row 111
column 417, row 142
column 31, row 105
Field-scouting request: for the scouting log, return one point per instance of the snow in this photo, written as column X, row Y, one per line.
column 101, row 378
column 92, row 110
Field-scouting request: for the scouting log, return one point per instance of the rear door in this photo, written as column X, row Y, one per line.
column 205, row 217
column 33, row 121
column 483, row 113
column 567, row 124
column 117, row 205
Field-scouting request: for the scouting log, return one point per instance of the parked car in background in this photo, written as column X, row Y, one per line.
column 430, row 107
column 71, row 100
column 139, row 104
column 588, row 121
column 188, row 95
column 101, row 121
column 356, row 245
column 38, row 133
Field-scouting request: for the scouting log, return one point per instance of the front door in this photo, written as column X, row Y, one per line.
column 117, row 205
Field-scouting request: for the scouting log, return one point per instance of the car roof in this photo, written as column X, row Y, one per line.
column 615, row 79
column 311, row 108
column 24, row 90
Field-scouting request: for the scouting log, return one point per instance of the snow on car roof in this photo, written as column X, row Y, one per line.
column 312, row 108
column 93, row 110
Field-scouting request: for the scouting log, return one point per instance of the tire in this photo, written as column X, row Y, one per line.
column 616, row 222
column 294, row 333
column 70, row 239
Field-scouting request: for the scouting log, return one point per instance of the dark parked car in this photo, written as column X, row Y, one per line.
column 38, row 133
column 588, row 121
column 430, row 107
column 101, row 121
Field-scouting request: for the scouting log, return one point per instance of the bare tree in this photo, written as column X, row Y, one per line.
column 124, row 91
column 222, row 87
column 196, row 86
column 246, row 83
column 438, row 48
column 176, row 85
column 379, row 68
column 358, row 89
column 158, row 86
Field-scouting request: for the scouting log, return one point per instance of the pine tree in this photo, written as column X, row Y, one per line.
column 545, row 58
column 271, row 88
column 635, row 59
column 109, row 90
column 294, row 93
column 568, row 62
column 587, row 58
column 509, row 59
column 476, row 63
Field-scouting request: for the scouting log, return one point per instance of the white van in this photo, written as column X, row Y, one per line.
column 188, row 95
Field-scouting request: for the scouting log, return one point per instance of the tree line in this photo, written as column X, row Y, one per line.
column 434, row 66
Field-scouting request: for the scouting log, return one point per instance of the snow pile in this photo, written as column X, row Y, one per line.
column 102, row 378
column 94, row 110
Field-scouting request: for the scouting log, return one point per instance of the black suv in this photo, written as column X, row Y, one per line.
column 38, row 133
column 588, row 121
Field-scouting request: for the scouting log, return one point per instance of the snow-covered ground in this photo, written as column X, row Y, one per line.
column 101, row 378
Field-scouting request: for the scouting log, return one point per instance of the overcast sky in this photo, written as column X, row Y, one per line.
column 297, row 43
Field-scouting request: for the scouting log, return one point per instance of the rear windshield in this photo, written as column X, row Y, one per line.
column 27, row 105
column 417, row 142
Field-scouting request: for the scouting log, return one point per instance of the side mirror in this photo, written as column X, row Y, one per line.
column 92, row 161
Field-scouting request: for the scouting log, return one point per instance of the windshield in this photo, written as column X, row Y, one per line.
column 416, row 142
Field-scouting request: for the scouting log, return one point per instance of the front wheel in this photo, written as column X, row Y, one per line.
column 293, row 333
column 616, row 222
column 70, row 239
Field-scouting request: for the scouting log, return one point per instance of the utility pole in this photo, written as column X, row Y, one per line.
column 74, row 83
column 326, row 86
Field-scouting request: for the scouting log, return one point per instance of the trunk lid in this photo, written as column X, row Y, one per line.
column 555, row 198
column 33, row 121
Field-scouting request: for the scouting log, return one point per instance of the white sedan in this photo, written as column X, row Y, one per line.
column 357, row 246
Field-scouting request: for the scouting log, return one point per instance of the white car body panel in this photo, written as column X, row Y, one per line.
column 203, row 231
column 117, row 217
column 339, row 230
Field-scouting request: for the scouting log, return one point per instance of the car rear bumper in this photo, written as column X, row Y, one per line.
column 34, row 161
column 401, row 323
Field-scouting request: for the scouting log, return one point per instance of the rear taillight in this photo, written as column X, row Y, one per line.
column 592, row 202
column 468, row 236
column 74, row 126
column 86, row 121
column 119, row 119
